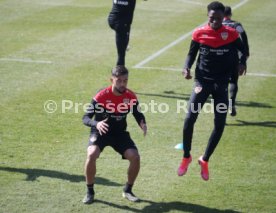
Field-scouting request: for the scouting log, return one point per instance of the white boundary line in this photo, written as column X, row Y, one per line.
column 179, row 70
column 26, row 60
column 155, row 55
column 180, row 39
column 261, row 74
column 191, row 2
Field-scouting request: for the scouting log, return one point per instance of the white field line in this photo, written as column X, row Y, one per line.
column 180, row 39
column 180, row 70
column 192, row 2
column 240, row 4
column 26, row 60
column 261, row 74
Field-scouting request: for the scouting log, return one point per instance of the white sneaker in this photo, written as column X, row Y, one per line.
column 130, row 196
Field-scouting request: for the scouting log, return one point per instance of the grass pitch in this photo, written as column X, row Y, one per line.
column 63, row 51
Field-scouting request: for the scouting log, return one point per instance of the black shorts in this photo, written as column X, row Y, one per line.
column 119, row 142
column 200, row 94
column 119, row 25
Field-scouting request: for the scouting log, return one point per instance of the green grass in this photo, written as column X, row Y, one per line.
column 42, row 155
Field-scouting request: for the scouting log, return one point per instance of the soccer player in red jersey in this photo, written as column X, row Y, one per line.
column 109, row 108
column 215, row 45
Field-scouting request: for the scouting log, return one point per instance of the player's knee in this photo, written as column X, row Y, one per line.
column 189, row 121
column 92, row 153
column 92, row 157
column 133, row 156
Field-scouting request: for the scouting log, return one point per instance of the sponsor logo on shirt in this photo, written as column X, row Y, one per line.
column 125, row 3
column 118, row 117
column 219, row 51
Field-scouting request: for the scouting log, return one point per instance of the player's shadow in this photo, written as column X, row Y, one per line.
column 168, row 94
column 186, row 97
column 34, row 174
column 172, row 94
column 182, row 206
column 253, row 104
column 248, row 123
column 168, row 207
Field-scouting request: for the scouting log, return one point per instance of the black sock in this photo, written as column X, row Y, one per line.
column 90, row 189
column 128, row 187
column 186, row 155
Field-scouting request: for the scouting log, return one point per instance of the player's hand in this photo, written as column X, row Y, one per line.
column 187, row 74
column 242, row 69
column 144, row 127
column 102, row 126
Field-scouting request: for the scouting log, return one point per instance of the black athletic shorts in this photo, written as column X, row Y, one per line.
column 119, row 142
column 121, row 28
column 119, row 25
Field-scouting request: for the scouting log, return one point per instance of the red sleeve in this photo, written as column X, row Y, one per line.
column 131, row 94
column 132, row 98
column 195, row 35
column 100, row 97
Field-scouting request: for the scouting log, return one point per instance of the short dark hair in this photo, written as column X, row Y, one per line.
column 216, row 5
column 119, row 70
column 227, row 11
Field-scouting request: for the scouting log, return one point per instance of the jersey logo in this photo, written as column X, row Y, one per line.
column 224, row 35
column 204, row 51
column 126, row 100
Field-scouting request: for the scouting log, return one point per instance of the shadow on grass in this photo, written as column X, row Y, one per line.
column 167, row 207
column 253, row 104
column 168, row 94
column 181, row 96
column 262, row 124
column 34, row 174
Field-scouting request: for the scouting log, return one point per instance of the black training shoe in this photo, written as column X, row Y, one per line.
column 233, row 111
column 130, row 196
column 88, row 199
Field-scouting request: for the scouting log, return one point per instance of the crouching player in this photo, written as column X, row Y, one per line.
column 109, row 108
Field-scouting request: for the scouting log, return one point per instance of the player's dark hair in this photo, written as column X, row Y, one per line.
column 216, row 5
column 227, row 11
column 119, row 70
